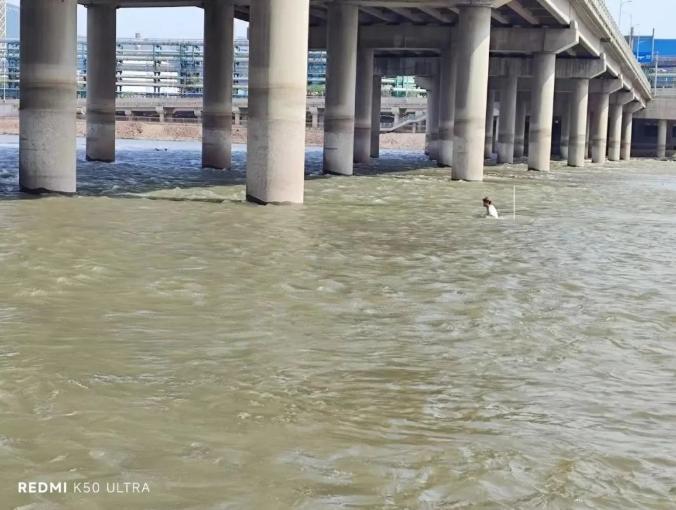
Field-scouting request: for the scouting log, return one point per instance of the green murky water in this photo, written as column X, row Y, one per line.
column 383, row 346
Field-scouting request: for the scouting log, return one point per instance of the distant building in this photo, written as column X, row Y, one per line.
column 657, row 57
column 154, row 67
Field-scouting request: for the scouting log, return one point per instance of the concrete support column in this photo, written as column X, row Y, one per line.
column 508, row 97
column 433, row 107
column 490, row 118
column 615, row 131
column 662, row 125
column 542, row 111
column 471, row 91
column 448, row 65
column 341, row 72
column 627, row 128
column 565, row 127
column 101, row 80
column 278, row 34
column 218, row 60
column 577, row 140
column 428, row 125
column 599, row 127
column 587, row 142
column 363, row 102
column 520, row 127
column 48, row 88
column 376, row 106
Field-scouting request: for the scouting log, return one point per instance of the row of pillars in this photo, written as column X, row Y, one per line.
column 594, row 117
column 278, row 34
column 277, row 97
column 277, row 94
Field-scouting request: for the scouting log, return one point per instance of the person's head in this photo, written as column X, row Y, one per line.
column 487, row 202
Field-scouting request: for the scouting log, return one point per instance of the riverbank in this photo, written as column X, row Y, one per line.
column 176, row 131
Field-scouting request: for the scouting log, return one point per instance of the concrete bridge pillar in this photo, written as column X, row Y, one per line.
column 599, row 127
column 542, row 111
column 341, row 70
column 508, row 99
column 490, row 118
column 662, row 126
column 615, row 131
column 314, row 114
column 428, row 124
column 564, row 143
column 218, row 61
column 433, row 106
column 627, row 128
column 395, row 115
column 577, row 138
column 278, row 32
column 471, row 91
column 238, row 116
column 101, row 82
column 48, row 88
column 376, row 105
column 363, row 106
column 520, row 126
column 448, row 66
column 587, row 142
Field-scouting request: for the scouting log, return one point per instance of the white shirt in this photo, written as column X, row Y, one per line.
column 493, row 212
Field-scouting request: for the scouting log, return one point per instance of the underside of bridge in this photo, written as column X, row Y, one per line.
column 536, row 59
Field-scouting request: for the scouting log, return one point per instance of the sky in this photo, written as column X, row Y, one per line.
column 646, row 15
column 163, row 23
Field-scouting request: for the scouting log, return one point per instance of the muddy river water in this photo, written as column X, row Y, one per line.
column 382, row 346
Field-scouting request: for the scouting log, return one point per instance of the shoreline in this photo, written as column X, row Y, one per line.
column 177, row 132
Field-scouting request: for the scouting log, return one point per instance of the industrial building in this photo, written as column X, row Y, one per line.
column 658, row 59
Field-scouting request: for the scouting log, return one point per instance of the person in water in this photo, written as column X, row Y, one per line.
column 490, row 209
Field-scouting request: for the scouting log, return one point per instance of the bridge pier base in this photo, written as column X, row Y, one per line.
column 101, row 77
column 542, row 111
column 508, row 97
column 520, row 126
column 376, row 106
column 277, row 101
column 599, row 127
column 363, row 106
column 448, row 66
column 564, row 144
column 627, row 128
column 615, row 132
column 473, row 50
column 577, row 139
column 48, row 88
column 341, row 69
column 218, row 61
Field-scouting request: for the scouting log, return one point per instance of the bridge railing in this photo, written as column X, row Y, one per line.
column 618, row 39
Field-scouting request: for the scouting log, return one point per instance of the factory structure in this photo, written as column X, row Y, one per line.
column 658, row 59
column 171, row 68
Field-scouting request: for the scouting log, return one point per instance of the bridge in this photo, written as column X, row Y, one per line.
column 537, row 58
